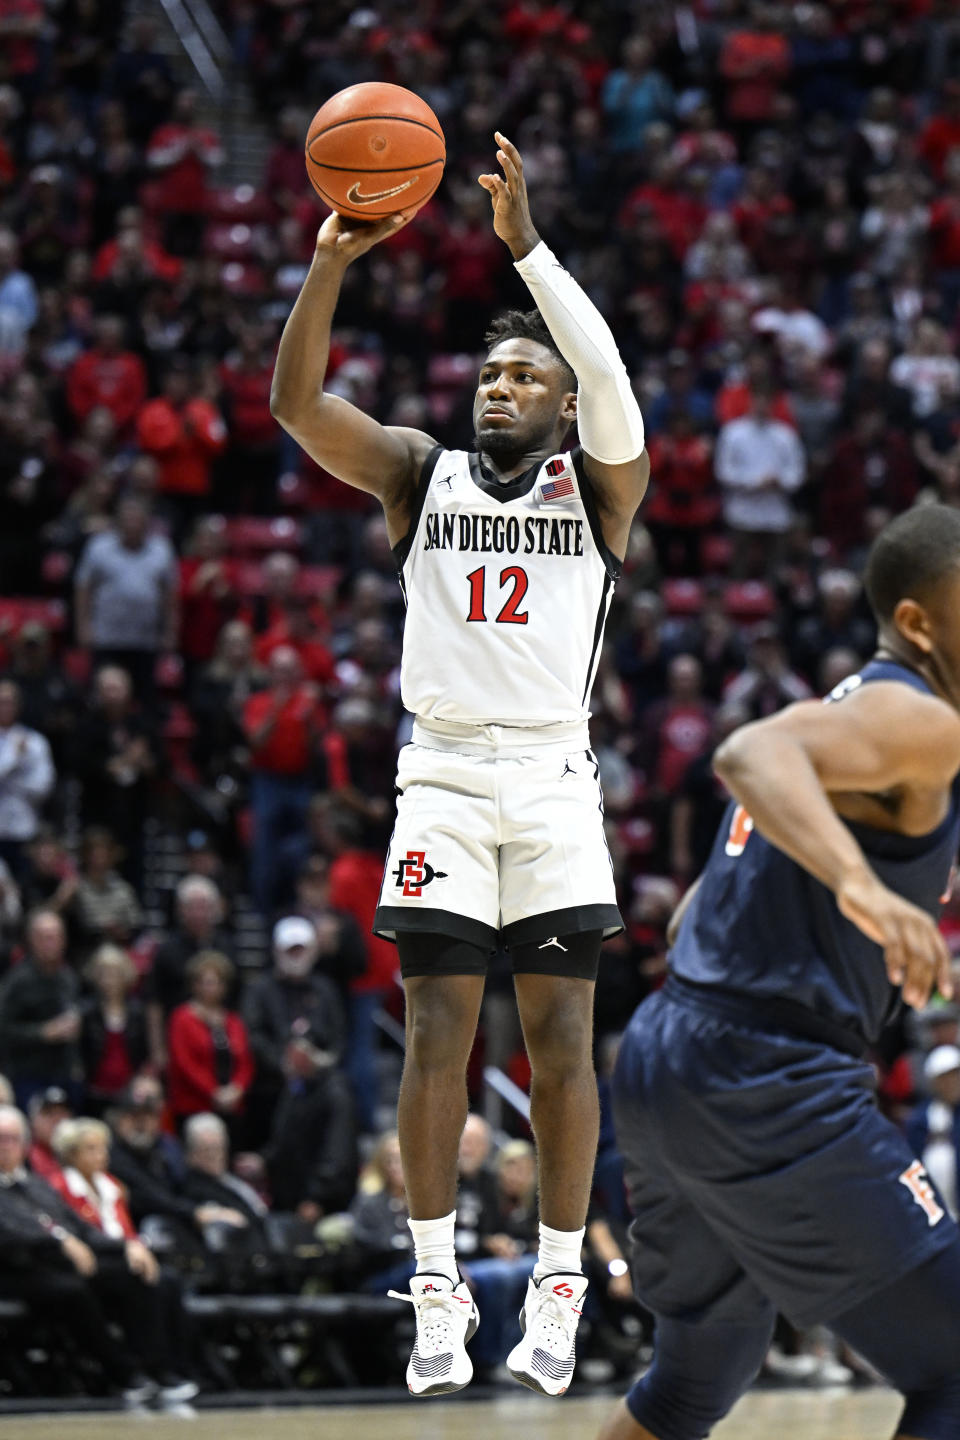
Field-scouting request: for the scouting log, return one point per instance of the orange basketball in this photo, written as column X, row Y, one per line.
column 373, row 150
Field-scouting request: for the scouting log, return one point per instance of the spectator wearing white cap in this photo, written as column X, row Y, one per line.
column 295, row 1020
column 933, row 1128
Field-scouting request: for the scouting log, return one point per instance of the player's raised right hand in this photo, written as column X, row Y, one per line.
column 915, row 952
column 348, row 239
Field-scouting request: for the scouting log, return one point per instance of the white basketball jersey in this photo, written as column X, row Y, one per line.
column 507, row 587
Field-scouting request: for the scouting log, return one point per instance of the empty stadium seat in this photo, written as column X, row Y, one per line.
column 749, row 600
column 682, row 596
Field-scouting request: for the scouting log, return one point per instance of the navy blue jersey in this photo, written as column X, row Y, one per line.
column 762, row 926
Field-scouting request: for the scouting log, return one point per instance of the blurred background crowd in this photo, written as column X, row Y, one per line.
column 200, row 630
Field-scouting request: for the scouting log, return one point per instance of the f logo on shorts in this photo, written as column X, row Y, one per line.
column 413, row 872
column 916, row 1181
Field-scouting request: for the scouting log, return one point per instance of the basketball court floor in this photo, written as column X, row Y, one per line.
column 785, row 1415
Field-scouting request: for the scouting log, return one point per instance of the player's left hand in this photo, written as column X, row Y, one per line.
column 508, row 195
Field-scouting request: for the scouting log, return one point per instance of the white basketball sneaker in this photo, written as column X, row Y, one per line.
column 546, row 1355
column 446, row 1319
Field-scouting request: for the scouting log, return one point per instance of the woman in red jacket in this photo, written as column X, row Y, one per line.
column 210, row 1065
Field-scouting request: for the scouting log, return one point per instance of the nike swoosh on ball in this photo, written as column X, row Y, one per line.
column 355, row 198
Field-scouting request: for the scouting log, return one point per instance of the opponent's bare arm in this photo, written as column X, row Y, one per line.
column 383, row 460
column 620, row 486
column 884, row 739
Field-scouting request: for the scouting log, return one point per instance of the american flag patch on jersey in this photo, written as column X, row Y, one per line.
column 559, row 487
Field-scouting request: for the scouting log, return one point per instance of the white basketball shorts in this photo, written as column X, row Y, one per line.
column 499, row 837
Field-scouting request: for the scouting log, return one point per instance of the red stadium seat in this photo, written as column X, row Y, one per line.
column 319, row 582
column 14, row 614
column 749, row 600
column 238, row 203
column 251, row 535
column 243, row 278
column 231, row 242
column 716, row 553
column 451, row 372
column 682, row 596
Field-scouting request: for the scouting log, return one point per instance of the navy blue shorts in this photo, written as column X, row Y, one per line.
column 761, row 1172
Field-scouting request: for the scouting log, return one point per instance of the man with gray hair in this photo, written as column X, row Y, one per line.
column 209, row 1180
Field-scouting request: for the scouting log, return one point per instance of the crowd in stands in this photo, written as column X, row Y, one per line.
column 200, row 629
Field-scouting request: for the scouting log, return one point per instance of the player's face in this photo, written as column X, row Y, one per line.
column 522, row 399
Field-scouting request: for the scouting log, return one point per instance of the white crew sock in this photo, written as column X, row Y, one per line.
column 434, row 1246
column 559, row 1251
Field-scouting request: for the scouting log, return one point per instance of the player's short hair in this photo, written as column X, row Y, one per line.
column 911, row 556
column 527, row 325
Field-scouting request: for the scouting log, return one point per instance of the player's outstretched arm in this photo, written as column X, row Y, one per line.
column 883, row 739
column 383, row 460
column 608, row 416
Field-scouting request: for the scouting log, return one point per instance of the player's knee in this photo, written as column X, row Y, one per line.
column 438, row 1033
column 559, row 1042
column 697, row 1376
column 934, row 1413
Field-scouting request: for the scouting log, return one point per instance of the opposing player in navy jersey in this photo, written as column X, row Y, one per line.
column 762, row 1175
column 507, row 556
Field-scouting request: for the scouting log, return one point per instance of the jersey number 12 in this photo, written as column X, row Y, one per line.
column 510, row 614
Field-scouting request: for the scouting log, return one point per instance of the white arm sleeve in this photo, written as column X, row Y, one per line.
column 608, row 416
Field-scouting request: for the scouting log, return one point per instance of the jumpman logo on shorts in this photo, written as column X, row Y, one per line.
column 567, row 769
column 553, row 940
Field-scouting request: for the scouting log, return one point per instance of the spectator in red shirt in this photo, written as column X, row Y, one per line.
column 354, row 879
column 185, row 432
column 207, row 590
column 872, row 467
column 181, row 154
column 246, row 376
column 683, row 502
column 108, row 375
column 945, row 236
column 46, row 1110
column 295, row 628
column 680, row 724
column 132, row 249
column 735, row 397
column 285, row 180
column 754, row 61
column 283, row 725
column 210, row 1065
column 942, row 132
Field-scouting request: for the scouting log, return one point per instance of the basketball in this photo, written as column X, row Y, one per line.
column 373, row 150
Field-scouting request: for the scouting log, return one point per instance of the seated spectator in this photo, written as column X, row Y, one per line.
column 210, row 1066
column 150, row 1164
column 927, row 369
column 105, row 906
column 113, row 1034
column 39, row 1015
column 380, row 1215
column 70, row 1272
column 208, row 1179
column 45, row 1111
column 199, row 926
column 933, row 1128
column 26, row 779
column 83, row 1147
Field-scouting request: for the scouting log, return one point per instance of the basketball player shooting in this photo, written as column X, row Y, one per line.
column 507, row 555
column 762, row 1175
